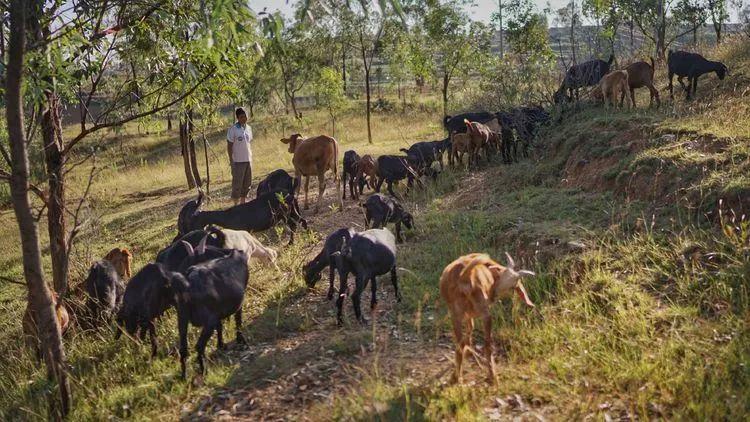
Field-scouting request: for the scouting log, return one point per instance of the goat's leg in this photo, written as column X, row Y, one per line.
column 399, row 239
column 459, row 339
column 307, row 185
column 343, row 289
column 654, row 95
column 220, row 336
column 390, row 189
column 321, row 190
column 182, row 325
column 379, row 184
column 239, row 338
column 671, row 93
column 351, row 188
column 152, row 336
column 359, row 287
column 632, row 97
column 200, row 345
column 488, row 349
column 394, row 281
column 373, row 294
column 695, row 86
column 331, row 279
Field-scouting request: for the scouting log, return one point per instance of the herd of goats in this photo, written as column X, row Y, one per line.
column 203, row 273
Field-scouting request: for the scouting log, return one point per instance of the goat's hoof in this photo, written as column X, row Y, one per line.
column 240, row 340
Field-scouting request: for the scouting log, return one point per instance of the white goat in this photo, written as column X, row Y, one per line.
column 244, row 241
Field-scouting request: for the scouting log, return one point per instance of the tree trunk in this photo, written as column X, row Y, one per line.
column 343, row 64
column 717, row 28
column 185, row 150
column 573, row 31
column 367, row 95
column 169, row 121
column 191, row 145
column 39, row 296
column 500, row 18
column 446, row 80
column 660, row 29
column 54, row 161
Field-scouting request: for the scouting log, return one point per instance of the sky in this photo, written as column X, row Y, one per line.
column 481, row 11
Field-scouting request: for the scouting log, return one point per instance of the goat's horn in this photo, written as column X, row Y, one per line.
column 526, row 273
column 511, row 263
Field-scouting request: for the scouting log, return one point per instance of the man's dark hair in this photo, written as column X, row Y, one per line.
column 240, row 112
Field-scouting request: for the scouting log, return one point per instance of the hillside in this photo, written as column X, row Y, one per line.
column 634, row 221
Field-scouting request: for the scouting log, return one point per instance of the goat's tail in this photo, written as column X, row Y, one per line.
column 404, row 150
column 446, row 119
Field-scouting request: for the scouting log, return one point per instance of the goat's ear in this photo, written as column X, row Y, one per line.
column 285, row 140
column 523, row 295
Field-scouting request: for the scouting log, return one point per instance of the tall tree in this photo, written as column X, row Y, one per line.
column 717, row 10
column 692, row 13
column 40, row 301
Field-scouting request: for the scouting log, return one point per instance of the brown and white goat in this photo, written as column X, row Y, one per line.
column 481, row 137
column 460, row 145
column 470, row 285
column 314, row 156
column 613, row 85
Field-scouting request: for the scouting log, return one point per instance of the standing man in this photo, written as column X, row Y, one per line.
column 239, row 138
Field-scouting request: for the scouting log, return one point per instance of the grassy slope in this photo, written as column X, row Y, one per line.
column 649, row 318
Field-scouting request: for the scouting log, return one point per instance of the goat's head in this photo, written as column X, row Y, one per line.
column 292, row 141
column 146, row 296
column 722, row 71
column 507, row 279
column 121, row 259
column 311, row 276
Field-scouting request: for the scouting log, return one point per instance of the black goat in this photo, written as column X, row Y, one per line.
column 423, row 154
column 381, row 209
column 276, row 180
column 392, row 168
column 582, row 75
column 692, row 66
column 351, row 166
column 208, row 293
column 104, row 291
column 186, row 213
column 455, row 124
column 147, row 296
column 257, row 215
column 334, row 242
column 369, row 254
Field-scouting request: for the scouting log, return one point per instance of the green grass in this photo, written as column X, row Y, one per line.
column 642, row 301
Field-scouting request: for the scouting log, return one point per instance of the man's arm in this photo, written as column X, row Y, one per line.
column 229, row 151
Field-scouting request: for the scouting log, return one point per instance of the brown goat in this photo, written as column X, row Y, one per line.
column 470, row 285
column 460, row 144
column 122, row 260
column 613, row 85
column 30, row 332
column 315, row 156
column 641, row 74
column 367, row 170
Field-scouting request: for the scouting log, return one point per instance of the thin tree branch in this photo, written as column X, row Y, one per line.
column 4, row 175
column 99, row 126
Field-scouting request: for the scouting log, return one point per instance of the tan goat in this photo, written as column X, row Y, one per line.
column 460, row 145
column 315, row 156
column 121, row 259
column 29, row 325
column 470, row 285
column 613, row 85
